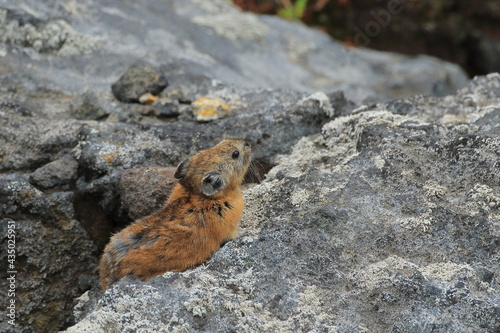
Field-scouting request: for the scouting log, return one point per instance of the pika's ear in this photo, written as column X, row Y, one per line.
column 212, row 183
column 182, row 169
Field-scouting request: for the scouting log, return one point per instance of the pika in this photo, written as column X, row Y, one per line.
column 201, row 213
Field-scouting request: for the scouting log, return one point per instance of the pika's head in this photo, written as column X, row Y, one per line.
column 221, row 167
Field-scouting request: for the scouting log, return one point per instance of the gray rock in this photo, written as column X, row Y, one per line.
column 56, row 173
column 49, row 35
column 341, row 105
column 246, row 50
column 273, row 120
column 163, row 110
column 30, row 140
column 383, row 222
column 138, row 80
column 45, row 224
column 166, row 108
column 87, row 107
column 329, row 214
column 143, row 191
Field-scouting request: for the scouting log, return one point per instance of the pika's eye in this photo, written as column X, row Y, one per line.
column 236, row 154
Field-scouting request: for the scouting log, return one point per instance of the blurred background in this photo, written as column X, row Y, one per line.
column 461, row 31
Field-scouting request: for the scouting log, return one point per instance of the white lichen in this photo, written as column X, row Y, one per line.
column 433, row 189
column 323, row 101
column 485, row 197
column 446, row 271
column 379, row 162
column 422, row 223
column 382, row 273
column 53, row 37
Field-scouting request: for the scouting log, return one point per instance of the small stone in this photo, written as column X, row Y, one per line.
column 206, row 109
column 167, row 110
column 138, row 80
column 148, row 99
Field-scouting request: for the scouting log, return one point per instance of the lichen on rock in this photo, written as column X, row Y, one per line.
column 333, row 238
column 54, row 36
column 374, row 207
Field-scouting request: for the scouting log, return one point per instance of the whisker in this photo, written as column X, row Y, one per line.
column 254, row 174
column 256, row 171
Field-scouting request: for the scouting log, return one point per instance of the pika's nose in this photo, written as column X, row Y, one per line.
column 247, row 144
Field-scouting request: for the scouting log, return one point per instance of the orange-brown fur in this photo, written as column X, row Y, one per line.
column 202, row 212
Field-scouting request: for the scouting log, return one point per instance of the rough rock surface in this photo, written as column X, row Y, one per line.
column 383, row 222
column 59, row 172
column 139, row 79
column 199, row 41
column 59, row 60
column 56, row 259
column 143, row 191
column 87, row 107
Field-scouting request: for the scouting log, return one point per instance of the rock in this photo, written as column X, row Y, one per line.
column 163, row 108
column 143, row 191
column 341, row 105
column 52, row 36
column 272, row 80
column 383, row 222
column 44, row 223
column 272, row 121
column 322, row 100
column 281, row 55
column 88, row 107
column 42, row 141
column 56, row 173
column 148, row 99
column 138, row 80
column 166, row 108
column 459, row 34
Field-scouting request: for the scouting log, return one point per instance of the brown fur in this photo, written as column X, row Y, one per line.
column 201, row 213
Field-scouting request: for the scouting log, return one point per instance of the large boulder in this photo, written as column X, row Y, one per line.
column 197, row 41
column 383, row 222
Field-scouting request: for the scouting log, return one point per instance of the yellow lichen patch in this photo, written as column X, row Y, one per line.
column 207, row 109
column 148, row 99
column 451, row 119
